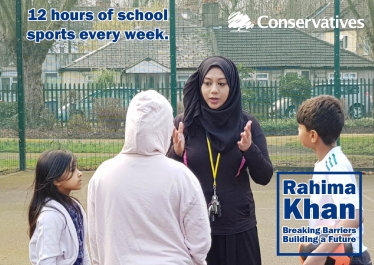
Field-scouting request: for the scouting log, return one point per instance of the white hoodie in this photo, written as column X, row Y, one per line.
column 55, row 239
column 145, row 208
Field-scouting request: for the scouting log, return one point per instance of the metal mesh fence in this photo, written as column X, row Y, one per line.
column 78, row 98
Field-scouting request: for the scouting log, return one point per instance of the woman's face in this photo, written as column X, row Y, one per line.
column 215, row 88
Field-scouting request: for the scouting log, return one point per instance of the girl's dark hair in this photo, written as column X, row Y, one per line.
column 52, row 165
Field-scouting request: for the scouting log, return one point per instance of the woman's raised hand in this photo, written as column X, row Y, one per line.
column 178, row 139
column 246, row 138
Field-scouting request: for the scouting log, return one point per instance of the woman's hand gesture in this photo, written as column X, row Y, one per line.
column 178, row 139
column 246, row 138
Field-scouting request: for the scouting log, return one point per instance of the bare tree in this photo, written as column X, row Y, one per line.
column 272, row 8
column 300, row 8
column 366, row 13
column 142, row 3
column 87, row 3
column 253, row 8
column 34, row 53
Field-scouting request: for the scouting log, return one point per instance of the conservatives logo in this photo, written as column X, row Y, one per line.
column 240, row 21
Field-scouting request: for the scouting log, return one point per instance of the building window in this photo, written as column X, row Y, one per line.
column 349, row 75
column 5, row 84
column 305, row 73
column 8, row 89
column 137, row 81
column 9, row 83
column 344, row 42
column 14, row 82
column 366, row 44
column 51, row 78
column 89, row 79
column 344, row 76
column 181, row 80
column 151, row 83
column 262, row 78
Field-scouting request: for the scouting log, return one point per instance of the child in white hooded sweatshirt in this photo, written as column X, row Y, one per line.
column 143, row 207
column 57, row 221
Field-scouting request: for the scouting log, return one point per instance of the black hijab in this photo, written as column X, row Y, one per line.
column 223, row 125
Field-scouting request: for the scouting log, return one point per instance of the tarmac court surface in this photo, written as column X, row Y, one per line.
column 15, row 195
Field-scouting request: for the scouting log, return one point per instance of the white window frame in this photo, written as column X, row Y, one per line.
column 344, row 42
column 350, row 76
column 301, row 73
column 12, row 81
column 262, row 78
column 298, row 72
column 263, row 81
column 183, row 77
column 344, row 76
column 90, row 78
column 257, row 77
column 46, row 73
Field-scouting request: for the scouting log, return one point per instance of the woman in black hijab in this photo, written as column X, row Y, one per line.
column 223, row 146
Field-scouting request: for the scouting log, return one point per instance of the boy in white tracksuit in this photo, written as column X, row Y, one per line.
column 144, row 208
column 321, row 120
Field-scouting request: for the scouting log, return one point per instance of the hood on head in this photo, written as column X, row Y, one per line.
column 149, row 124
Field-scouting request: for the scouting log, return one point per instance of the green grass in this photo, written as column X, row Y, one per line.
column 92, row 152
column 76, row 146
column 84, row 163
column 351, row 144
column 300, row 160
column 307, row 161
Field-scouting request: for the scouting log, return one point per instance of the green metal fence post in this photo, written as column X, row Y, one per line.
column 20, row 91
column 337, row 92
column 173, row 57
